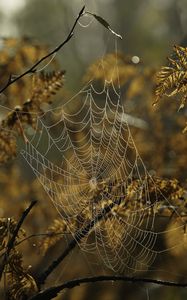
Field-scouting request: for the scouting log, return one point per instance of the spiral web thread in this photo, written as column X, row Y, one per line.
column 84, row 156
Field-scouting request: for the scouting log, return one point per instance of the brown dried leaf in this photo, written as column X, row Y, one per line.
column 45, row 85
column 172, row 79
column 54, row 233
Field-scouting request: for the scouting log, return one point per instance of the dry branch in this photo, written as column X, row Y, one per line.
column 79, row 235
column 33, row 68
column 52, row 292
column 11, row 242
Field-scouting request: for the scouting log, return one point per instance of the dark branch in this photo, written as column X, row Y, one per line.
column 79, row 235
column 33, row 68
column 11, row 242
column 52, row 292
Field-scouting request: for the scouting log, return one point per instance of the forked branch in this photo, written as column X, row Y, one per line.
column 33, row 68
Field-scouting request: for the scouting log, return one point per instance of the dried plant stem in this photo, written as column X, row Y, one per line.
column 33, row 69
column 11, row 242
column 79, row 235
column 52, row 292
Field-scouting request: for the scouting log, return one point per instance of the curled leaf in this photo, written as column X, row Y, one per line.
column 105, row 24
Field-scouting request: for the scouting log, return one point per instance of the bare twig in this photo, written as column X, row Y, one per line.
column 79, row 235
column 52, row 292
column 33, row 69
column 49, row 234
column 11, row 242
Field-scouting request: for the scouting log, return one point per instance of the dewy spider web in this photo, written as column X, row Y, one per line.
column 85, row 157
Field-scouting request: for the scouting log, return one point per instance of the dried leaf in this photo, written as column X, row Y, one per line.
column 54, row 233
column 172, row 79
column 105, row 24
column 45, row 85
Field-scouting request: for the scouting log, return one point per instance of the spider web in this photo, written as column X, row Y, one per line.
column 84, row 155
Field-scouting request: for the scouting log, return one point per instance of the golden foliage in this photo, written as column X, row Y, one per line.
column 170, row 194
column 172, row 79
column 162, row 126
column 138, row 82
column 17, row 55
column 7, row 227
column 19, row 282
column 54, row 233
column 111, row 68
column 44, row 86
column 121, row 70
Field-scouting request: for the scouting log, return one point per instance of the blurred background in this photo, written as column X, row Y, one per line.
column 149, row 29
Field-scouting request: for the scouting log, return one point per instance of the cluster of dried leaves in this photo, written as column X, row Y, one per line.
column 172, row 79
column 44, row 86
column 138, row 83
column 19, row 282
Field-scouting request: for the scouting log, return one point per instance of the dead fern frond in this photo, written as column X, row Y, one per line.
column 21, row 284
column 172, row 79
column 54, row 233
column 170, row 192
column 16, row 55
column 7, row 230
column 45, row 85
column 7, row 227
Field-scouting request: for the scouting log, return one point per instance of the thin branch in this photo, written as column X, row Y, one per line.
column 49, row 234
column 52, row 292
column 33, row 69
column 11, row 242
column 79, row 235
